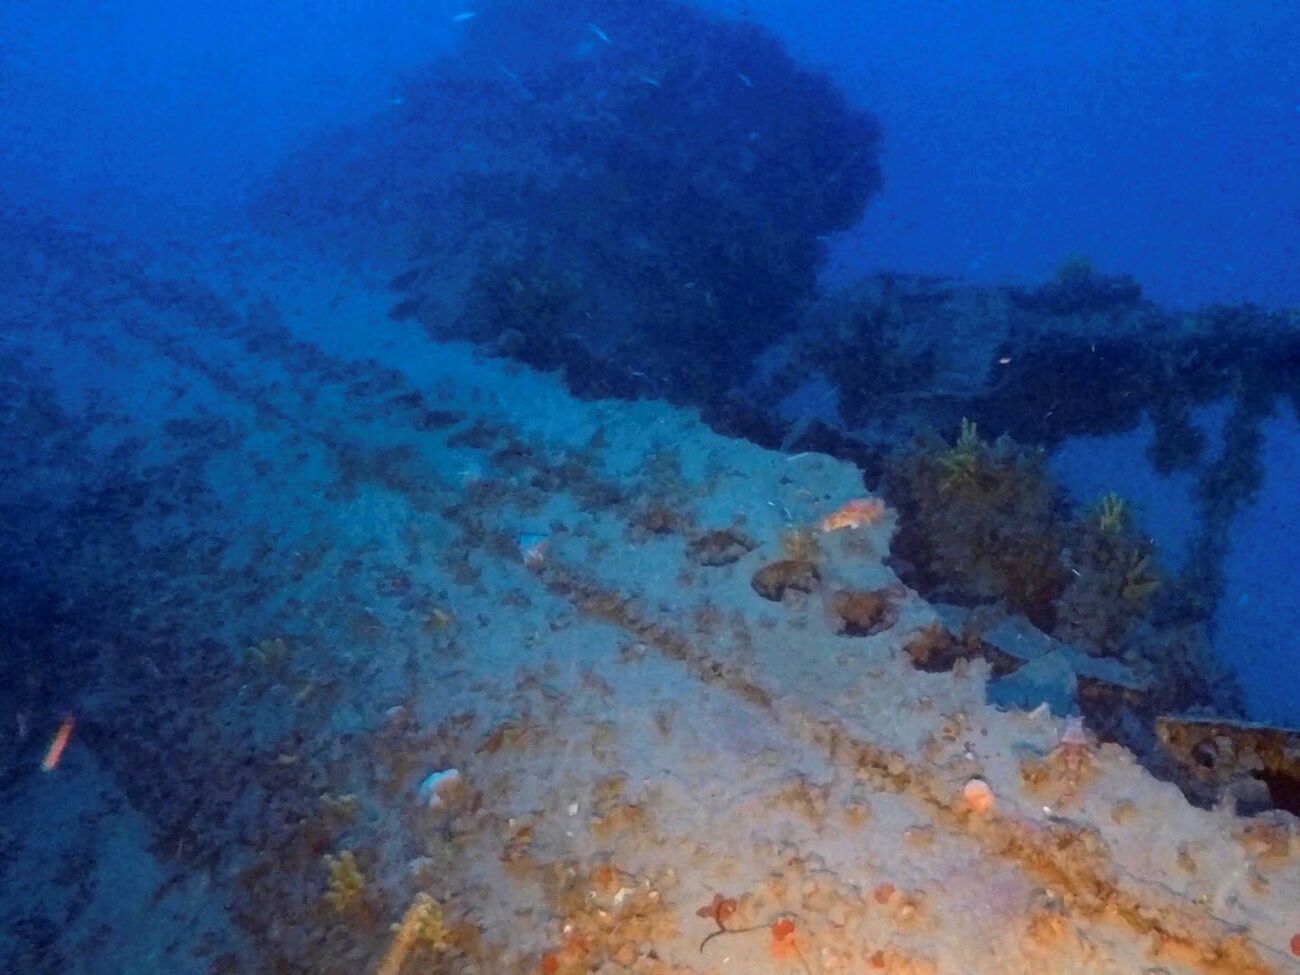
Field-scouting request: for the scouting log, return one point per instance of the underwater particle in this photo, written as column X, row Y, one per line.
column 857, row 513
column 978, row 796
column 438, row 788
column 58, row 744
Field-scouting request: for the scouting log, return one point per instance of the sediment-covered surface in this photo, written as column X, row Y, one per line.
column 286, row 560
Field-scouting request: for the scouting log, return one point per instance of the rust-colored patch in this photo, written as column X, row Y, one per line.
column 864, row 612
column 719, row 547
column 776, row 579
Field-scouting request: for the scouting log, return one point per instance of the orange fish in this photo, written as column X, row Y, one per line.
column 60, row 742
column 854, row 514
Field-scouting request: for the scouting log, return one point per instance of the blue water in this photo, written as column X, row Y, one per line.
column 1157, row 139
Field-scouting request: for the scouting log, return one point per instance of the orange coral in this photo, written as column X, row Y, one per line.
column 783, row 942
column 573, row 955
column 978, row 796
column 858, row 513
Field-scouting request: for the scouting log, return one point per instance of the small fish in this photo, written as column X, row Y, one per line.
column 745, row 79
column 57, row 746
column 858, row 513
column 599, row 33
column 648, row 80
column 461, row 18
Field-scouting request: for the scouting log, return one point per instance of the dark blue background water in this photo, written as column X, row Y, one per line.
column 1160, row 139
